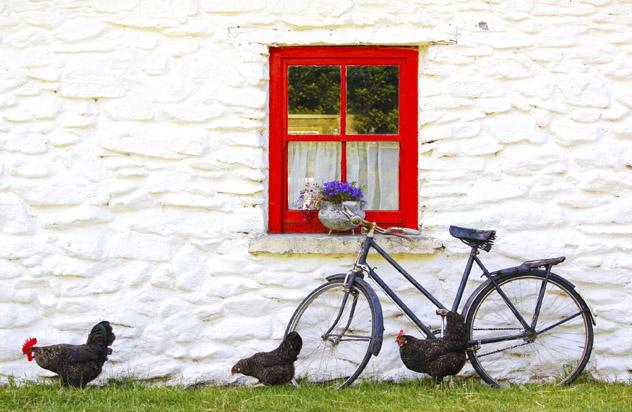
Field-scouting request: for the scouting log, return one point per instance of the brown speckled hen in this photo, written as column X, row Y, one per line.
column 275, row 367
column 437, row 357
column 76, row 365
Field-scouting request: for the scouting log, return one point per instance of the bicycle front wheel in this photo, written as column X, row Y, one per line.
column 555, row 351
column 337, row 333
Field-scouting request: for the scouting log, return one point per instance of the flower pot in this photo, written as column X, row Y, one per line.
column 332, row 217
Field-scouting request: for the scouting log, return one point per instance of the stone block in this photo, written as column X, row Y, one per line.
column 191, row 268
column 169, row 9
column 156, row 140
column 585, row 91
column 605, row 182
column 568, row 132
column 326, row 245
column 571, row 9
column 585, row 115
column 13, row 315
column 15, row 218
column 130, row 107
column 10, row 269
column 73, row 120
column 511, row 67
column 475, row 88
column 513, row 127
column 621, row 130
column 83, row 244
column 63, row 194
column 44, row 107
column 140, row 246
column 92, row 82
column 241, row 327
column 27, row 38
column 479, row 146
column 192, row 112
column 114, row 6
column 62, row 138
column 615, row 112
column 79, row 29
column 8, row 100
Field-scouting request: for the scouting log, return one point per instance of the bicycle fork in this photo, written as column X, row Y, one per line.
column 348, row 290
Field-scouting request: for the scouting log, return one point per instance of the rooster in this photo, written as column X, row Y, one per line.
column 437, row 357
column 76, row 365
column 275, row 367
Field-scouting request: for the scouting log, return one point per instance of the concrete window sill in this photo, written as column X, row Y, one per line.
column 321, row 244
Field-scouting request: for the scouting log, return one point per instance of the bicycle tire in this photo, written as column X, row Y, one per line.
column 484, row 308
column 306, row 358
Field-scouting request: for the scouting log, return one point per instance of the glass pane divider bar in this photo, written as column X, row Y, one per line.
column 341, row 138
column 343, row 121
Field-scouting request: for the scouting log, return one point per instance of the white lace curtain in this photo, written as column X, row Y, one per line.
column 374, row 165
column 311, row 162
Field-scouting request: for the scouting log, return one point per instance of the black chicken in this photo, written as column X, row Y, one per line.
column 437, row 357
column 275, row 367
column 76, row 365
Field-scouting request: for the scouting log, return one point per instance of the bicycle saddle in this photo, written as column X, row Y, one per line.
column 532, row 264
column 480, row 238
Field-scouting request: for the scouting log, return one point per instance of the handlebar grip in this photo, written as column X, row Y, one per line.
column 405, row 231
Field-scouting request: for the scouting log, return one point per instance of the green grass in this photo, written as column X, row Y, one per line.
column 459, row 395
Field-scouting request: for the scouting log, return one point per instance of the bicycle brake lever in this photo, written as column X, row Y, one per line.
column 402, row 232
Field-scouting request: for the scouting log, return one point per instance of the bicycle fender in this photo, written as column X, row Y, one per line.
column 376, row 345
column 504, row 273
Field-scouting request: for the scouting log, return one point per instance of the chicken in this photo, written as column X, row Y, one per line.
column 76, row 365
column 437, row 357
column 275, row 367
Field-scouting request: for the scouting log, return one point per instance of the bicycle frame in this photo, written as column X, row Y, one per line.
column 362, row 266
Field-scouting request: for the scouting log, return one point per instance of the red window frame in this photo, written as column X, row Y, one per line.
column 281, row 218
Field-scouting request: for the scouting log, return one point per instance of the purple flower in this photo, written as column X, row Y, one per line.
column 336, row 191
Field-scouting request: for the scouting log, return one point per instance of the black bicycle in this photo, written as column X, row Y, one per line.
column 525, row 323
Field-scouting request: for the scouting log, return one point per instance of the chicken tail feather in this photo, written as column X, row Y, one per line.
column 26, row 348
column 101, row 335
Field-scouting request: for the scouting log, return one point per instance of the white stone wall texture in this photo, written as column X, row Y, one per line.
column 133, row 166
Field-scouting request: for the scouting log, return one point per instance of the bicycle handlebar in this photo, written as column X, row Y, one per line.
column 392, row 231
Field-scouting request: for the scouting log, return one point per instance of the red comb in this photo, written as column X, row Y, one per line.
column 26, row 348
column 400, row 334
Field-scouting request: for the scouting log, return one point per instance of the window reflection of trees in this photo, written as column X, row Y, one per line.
column 372, row 99
column 314, row 99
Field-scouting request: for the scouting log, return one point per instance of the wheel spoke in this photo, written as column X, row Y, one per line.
column 337, row 338
column 555, row 352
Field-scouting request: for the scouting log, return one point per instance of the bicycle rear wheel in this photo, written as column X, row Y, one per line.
column 556, row 351
column 335, row 348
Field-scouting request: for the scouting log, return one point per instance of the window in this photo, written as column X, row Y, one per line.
column 343, row 113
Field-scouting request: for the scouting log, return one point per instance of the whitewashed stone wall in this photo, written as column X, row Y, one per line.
column 133, row 165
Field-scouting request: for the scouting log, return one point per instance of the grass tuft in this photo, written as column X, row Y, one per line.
column 453, row 395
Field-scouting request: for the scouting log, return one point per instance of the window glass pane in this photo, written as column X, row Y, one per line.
column 372, row 100
column 314, row 100
column 310, row 162
column 375, row 166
